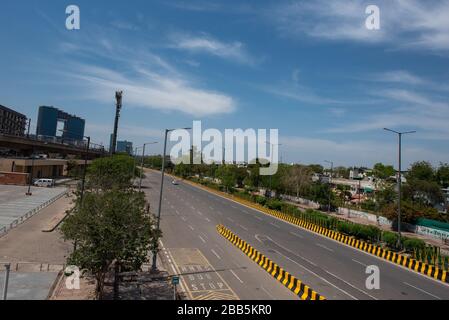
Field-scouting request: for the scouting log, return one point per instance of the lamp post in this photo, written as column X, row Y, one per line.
column 83, row 181
column 141, row 164
column 167, row 131
column 31, row 175
column 330, row 185
column 399, row 177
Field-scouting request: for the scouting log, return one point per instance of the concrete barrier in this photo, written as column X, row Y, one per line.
column 292, row 283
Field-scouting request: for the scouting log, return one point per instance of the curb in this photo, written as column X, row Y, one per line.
column 396, row 258
column 289, row 281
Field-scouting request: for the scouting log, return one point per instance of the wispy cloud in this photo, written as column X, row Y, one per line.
column 404, row 23
column 203, row 43
column 148, row 80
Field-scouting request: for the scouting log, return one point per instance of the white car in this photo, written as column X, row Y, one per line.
column 174, row 182
column 44, row 183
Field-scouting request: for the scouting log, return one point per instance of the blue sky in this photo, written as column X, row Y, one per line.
column 308, row 68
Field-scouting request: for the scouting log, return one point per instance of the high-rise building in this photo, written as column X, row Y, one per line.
column 48, row 119
column 12, row 122
column 125, row 146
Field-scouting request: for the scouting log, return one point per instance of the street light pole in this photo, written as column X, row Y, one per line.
column 31, row 175
column 330, row 185
column 399, row 178
column 154, row 265
column 83, row 182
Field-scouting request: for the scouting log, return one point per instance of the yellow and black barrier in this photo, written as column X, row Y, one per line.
column 292, row 283
column 412, row 264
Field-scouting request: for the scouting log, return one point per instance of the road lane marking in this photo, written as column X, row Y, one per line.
column 268, row 294
column 275, row 225
column 361, row 263
column 258, row 218
column 191, row 227
column 351, row 285
column 200, row 213
column 207, row 219
column 318, row 276
column 216, row 254
column 230, row 219
column 244, row 228
column 296, row 235
column 202, row 239
column 423, row 291
column 324, row 247
column 235, row 275
column 183, row 219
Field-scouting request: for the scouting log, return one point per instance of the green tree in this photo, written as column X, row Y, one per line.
column 111, row 227
column 114, row 172
column 443, row 175
column 297, row 178
column 382, row 171
column 421, row 170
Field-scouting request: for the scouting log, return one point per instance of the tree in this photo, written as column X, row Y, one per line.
column 297, row 178
column 421, row 170
column 443, row 175
column 227, row 176
column 382, row 171
column 110, row 227
column 114, row 172
column 410, row 212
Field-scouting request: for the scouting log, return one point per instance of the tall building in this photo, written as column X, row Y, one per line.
column 12, row 122
column 125, row 146
column 48, row 119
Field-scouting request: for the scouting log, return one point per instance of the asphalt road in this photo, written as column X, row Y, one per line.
column 189, row 219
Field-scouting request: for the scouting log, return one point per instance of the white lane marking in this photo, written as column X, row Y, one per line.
column 202, row 239
column 234, row 206
column 423, row 291
column 183, row 219
column 177, row 212
column 351, row 285
column 319, row 277
column 219, row 213
column 268, row 294
column 258, row 218
column 244, row 211
column 191, row 227
column 232, row 271
column 216, row 254
column 207, row 219
column 275, row 225
column 200, row 213
column 212, row 208
column 230, row 219
column 244, row 228
column 296, row 234
column 361, row 263
column 193, row 207
column 324, row 247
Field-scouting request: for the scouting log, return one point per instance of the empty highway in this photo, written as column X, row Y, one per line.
column 214, row 268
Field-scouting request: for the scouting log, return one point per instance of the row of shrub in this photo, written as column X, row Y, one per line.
column 373, row 234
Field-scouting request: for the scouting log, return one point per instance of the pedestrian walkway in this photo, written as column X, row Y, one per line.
column 16, row 211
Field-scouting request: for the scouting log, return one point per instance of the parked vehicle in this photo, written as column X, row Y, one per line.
column 48, row 183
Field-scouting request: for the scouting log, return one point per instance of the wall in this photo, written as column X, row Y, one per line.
column 10, row 178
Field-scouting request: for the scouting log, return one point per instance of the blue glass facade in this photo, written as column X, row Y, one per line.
column 48, row 119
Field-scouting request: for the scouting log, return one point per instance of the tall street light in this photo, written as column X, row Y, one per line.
column 399, row 177
column 83, row 181
column 31, row 175
column 167, row 131
column 330, row 185
column 141, row 164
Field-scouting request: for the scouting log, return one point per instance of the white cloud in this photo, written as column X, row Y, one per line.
column 397, row 76
column 404, row 24
column 203, row 43
column 148, row 81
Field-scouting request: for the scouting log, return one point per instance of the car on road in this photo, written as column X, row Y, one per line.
column 44, row 183
column 174, row 182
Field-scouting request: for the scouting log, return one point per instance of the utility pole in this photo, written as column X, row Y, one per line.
column 118, row 107
column 31, row 174
column 167, row 131
column 399, row 178
column 330, row 185
column 5, row 285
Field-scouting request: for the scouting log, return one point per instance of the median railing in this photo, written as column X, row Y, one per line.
column 30, row 213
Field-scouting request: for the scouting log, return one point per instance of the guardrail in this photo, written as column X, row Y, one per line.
column 30, row 213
